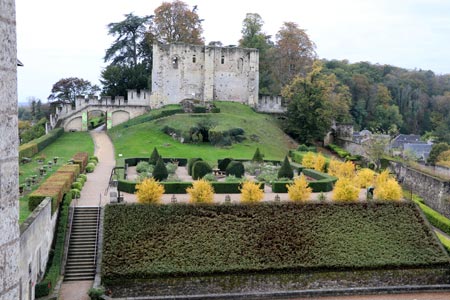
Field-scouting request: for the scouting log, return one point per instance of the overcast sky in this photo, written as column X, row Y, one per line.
column 68, row 38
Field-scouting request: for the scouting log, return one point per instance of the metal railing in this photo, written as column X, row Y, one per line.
column 97, row 228
column 68, row 235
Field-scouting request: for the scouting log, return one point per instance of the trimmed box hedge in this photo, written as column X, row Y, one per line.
column 81, row 158
column 55, row 186
column 133, row 161
column 151, row 241
column 180, row 187
column 323, row 183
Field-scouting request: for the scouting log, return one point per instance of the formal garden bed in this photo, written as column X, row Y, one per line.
column 270, row 246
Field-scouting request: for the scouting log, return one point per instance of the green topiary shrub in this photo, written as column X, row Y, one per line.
column 41, row 289
column 223, row 164
column 210, row 177
column 286, row 170
column 77, row 185
column 258, row 157
column 154, row 157
column 235, row 168
column 191, row 162
column 90, row 168
column 96, row 293
column 200, row 169
column 160, row 171
column 93, row 161
column 80, row 179
column 84, row 176
column 75, row 193
column 93, row 157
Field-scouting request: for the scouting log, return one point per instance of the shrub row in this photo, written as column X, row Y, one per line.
column 31, row 148
column 339, row 151
column 435, row 218
column 54, row 265
column 133, row 161
column 152, row 116
column 265, row 237
column 54, row 187
column 180, row 187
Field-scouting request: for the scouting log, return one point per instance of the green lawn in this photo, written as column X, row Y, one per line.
column 63, row 148
column 139, row 140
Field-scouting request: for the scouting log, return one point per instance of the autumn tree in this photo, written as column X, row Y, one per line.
column 436, row 150
column 314, row 102
column 176, row 22
column 66, row 89
column 295, row 53
column 365, row 178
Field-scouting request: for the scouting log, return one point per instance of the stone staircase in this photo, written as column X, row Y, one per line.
column 82, row 246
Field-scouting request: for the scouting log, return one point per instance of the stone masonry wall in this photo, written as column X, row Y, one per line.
column 9, row 192
column 205, row 73
column 36, row 236
column 434, row 191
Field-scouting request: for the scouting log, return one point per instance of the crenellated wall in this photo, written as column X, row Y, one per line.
column 9, row 166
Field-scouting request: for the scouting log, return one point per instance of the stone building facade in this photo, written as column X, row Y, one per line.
column 9, row 191
column 205, row 73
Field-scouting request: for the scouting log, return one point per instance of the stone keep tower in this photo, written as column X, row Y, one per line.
column 9, row 204
column 205, row 73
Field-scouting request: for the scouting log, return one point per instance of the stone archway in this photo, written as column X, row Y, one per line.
column 119, row 116
column 74, row 124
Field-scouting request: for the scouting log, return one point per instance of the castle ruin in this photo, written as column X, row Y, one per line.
column 204, row 73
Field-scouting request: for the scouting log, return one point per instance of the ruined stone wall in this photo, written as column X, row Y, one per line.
column 434, row 191
column 36, row 236
column 204, row 73
column 9, row 191
column 271, row 104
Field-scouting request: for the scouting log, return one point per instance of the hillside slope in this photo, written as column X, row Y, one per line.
column 138, row 140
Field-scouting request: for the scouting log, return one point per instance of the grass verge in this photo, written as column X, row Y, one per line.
column 63, row 148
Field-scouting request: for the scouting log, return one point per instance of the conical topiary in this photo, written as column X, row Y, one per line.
column 154, row 157
column 258, row 157
column 160, row 171
column 286, row 169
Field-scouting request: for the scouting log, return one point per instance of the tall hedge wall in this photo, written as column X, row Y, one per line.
column 31, row 148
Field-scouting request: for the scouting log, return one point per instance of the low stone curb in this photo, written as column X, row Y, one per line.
column 305, row 293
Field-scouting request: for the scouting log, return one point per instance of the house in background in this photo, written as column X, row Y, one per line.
column 410, row 145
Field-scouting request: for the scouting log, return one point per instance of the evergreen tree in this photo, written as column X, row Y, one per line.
column 286, row 169
column 154, row 157
column 160, row 171
column 258, row 157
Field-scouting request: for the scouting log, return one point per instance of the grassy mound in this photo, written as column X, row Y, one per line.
column 137, row 139
column 146, row 241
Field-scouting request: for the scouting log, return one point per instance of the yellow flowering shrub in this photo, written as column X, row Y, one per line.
column 345, row 190
column 341, row 169
column 365, row 178
column 201, row 192
column 299, row 189
column 149, row 191
column 319, row 164
column 309, row 160
column 251, row 192
column 387, row 188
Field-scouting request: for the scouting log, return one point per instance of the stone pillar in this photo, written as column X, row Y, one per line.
column 9, row 204
column 208, row 83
